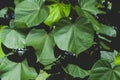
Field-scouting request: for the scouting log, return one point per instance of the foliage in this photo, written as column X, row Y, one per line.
column 44, row 34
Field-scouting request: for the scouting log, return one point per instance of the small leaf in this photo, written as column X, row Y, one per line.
column 109, row 56
column 57, row 11
column 42, row 76
column 76, row 71
column 103, row 70
column 43, row 43
column 90, row 6
column 3, row 12
column 31, row 12
column 107, row 30
column 12, row 38
column 16, row 71
column 74, row 37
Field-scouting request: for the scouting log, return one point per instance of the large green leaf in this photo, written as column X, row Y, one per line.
column 31, row 12
column 43, row 44
column 103, row 70
column 57, row 11
column 42, row 76
column 74, row 37
column 12, row 38
column 76, row 71
column 16, row 71
column 91, row 6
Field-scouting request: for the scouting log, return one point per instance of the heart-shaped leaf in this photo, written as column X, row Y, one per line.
column 31, row 12
column 76, row 71
column 74, row 37
column 16, row 71
column 103, row 70
column 43, row 44
column 12, row 38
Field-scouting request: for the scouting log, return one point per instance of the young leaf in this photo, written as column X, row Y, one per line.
column 43, row 44
column 31, row 12
column 57, row 11
column 76, row 71
column 16, row 71
column 12, row 38
column 3, row 12
column 76, row 37
column 103, row 70
column 42, row 76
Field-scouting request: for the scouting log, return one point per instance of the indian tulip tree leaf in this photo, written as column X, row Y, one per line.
column 12, row 38
column 17, row 1
column 74, row 37
column 90, row 6
column 57, row 11
column 16, row 71
column 103, row 70
column 109, row 56
column 76, row 71
column 42, row 75
column 31, row 12
column 43, row 43
column 117, row 59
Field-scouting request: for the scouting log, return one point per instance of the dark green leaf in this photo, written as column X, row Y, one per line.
column 76, row 71
column 76, row 37
column 43, row 44
column 103, row 70
column 16, row 71
column 31, row 12
column 12, row 38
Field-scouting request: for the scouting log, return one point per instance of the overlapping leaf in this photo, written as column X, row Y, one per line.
column 57, row 11
column 31, row 12
column 74, row 37
column 76, row 71
column 16, row 71
column 103, row 70
column 90, row 6
column 43, row 44
column 12, row 38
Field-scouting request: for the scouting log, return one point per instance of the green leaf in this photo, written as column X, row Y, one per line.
column 107, row 30
column 3, row 12
column 2, row 54
column 17, row 1
column 76, row 71
column 90, row 6
column 57, row 11
column 109, row 56
column 12, row 38
column 74, row 37
column 42, row 76
column 16, row 71
column 103, row 70
column 43, row 43
column 31, row 12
